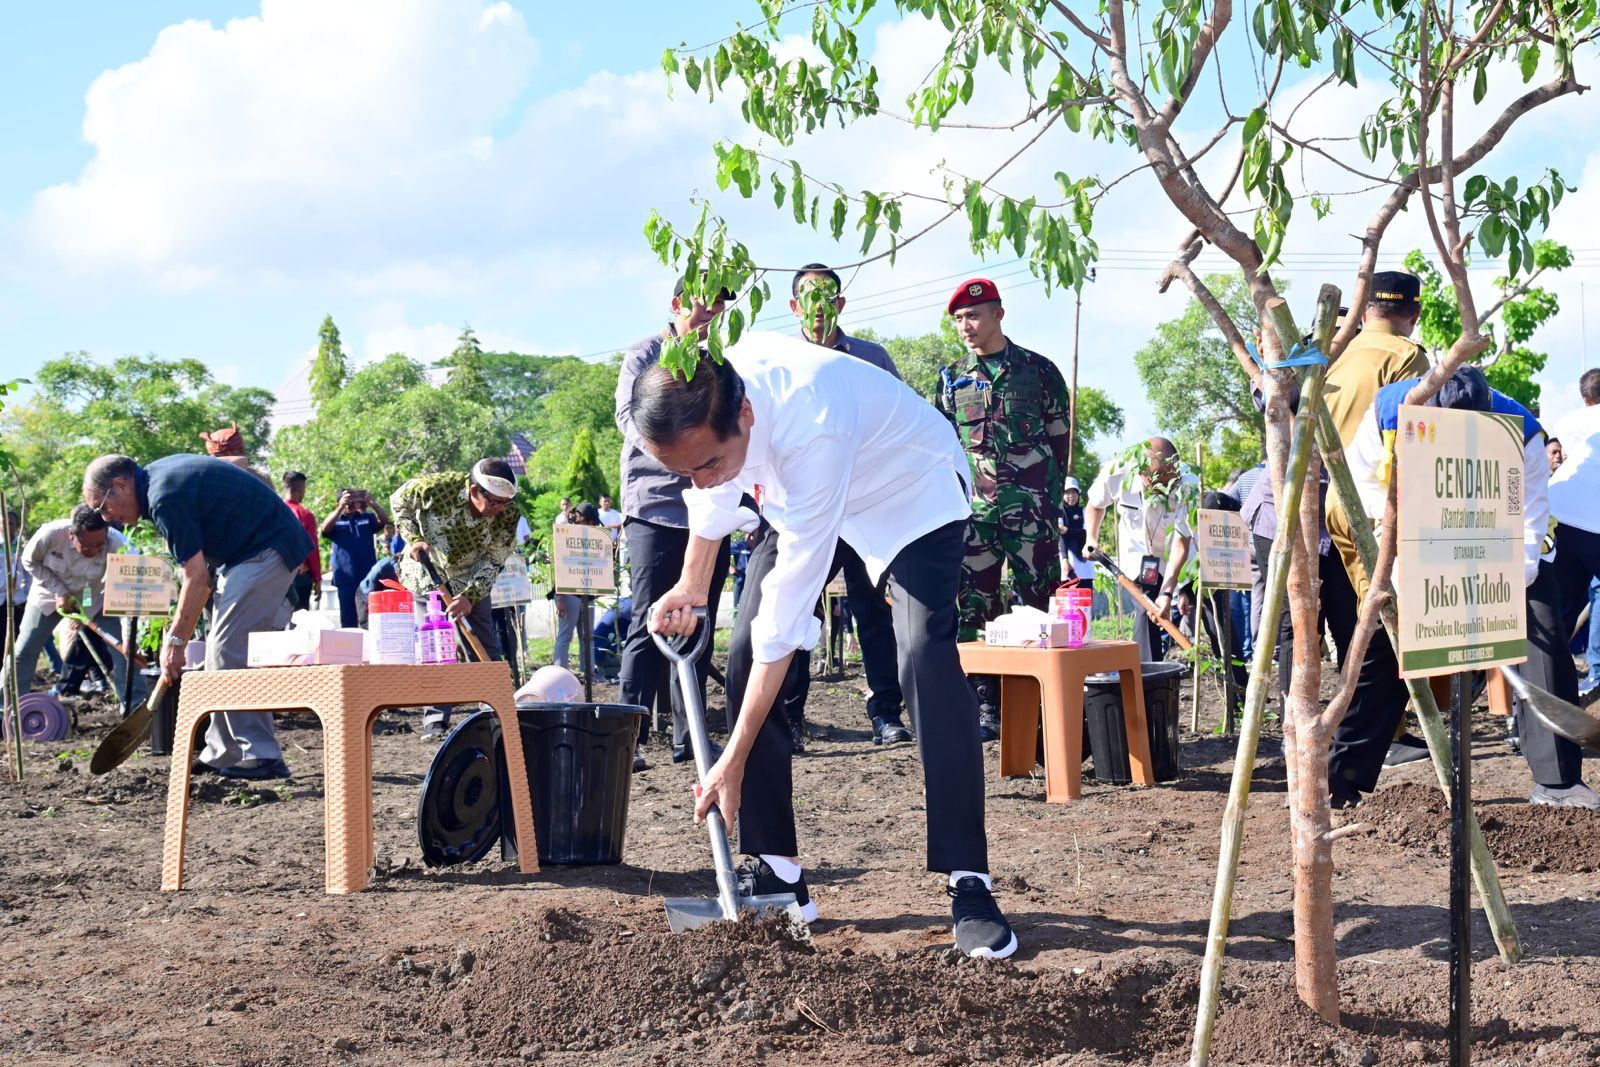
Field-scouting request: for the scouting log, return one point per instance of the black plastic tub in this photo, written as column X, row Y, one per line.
column 580, row 771
column 1106, row 730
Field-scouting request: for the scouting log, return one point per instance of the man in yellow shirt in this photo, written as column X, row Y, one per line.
column 1380, row 354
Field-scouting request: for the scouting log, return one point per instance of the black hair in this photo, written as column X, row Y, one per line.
column 817, row 270
column 1589, row 386
column 683, row 283
column 1465, row 390
column 498, row 468
column 1215, row 500
column 666, row 406
column 86, row 520
column 1551, row 441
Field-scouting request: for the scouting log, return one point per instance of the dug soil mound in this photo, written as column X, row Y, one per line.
column 1526, row 836
column 564, row 983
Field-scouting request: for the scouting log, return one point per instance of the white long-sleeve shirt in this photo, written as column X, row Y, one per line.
column 59, row 569
column 838, row 450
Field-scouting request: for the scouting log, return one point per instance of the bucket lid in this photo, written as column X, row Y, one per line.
column 458, row 816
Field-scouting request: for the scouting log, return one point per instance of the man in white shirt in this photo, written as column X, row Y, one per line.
column 832, row 449
column 64, row 558
column 1152, row 501
column 1575, row 501
column 610, row 517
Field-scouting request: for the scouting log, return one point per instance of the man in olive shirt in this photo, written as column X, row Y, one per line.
column 1382, row 353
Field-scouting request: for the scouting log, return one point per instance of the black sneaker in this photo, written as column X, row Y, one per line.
column 889, row 731
column 797, row 736
column 757, row 878
column 981, row 929
column 639, row 762
column 988, row 726
column 684, row 753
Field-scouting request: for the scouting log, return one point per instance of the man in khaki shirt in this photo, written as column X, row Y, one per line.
column 1381, row 353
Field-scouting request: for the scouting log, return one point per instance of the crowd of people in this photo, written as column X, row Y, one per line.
column 802, row 458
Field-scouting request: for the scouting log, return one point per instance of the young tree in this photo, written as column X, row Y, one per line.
column 1125, row 73
column 330, row 368
column 1522, row 308
column 584, row 481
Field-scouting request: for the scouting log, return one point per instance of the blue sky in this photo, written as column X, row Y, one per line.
column 178, row 183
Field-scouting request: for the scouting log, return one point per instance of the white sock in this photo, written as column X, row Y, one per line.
column 783, row 867
column 956, row 876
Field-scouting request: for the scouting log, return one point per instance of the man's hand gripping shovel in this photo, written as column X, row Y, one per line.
column 686, row 913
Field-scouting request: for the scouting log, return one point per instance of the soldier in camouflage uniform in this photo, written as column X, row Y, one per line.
column 1009, row 407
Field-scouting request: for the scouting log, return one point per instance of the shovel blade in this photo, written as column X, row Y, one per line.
column 688, row 913
column 1568, row 720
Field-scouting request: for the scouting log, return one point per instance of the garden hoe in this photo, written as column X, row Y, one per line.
column 686, row 913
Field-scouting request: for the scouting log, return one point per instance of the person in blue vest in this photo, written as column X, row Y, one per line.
column 351, row 528
column 1359, row 745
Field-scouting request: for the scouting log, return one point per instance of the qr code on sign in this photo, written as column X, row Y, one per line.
column 1514, row 491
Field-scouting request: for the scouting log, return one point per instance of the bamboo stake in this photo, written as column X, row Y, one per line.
column 1257, row 692
column 13, row 694
column 1199, row 591
column 1434, row 731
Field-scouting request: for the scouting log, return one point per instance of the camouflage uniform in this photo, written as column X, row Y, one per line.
column 1010, row 410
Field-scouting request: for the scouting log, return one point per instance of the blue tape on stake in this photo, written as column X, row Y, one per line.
column 1301, row 355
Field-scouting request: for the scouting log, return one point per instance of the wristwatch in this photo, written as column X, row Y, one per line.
column 175, row 641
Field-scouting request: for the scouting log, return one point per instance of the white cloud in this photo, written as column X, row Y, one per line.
column 312, row 133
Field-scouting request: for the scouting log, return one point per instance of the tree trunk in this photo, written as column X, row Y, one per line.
column 1316, row 973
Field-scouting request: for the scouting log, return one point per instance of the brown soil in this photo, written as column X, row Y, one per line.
column 253, row 964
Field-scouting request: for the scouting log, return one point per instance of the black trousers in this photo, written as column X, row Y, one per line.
column 923, row 579
column 655, row 556
column 1577, row 562
column 1338, row 610
column 300, row 592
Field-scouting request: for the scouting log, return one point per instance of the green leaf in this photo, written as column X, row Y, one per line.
column 1475, row 187
column 1492, row 237
column 778, row 190
column 691, row 75
column 841, row 210
column 1480, row 83
column 798, row 193
column 1528, row 59
column 723, row 64
column 1074, row 117
column 1253, row 123
column 735, row 325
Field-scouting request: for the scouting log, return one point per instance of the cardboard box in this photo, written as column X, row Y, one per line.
column 1026, row 632
column 299, row 648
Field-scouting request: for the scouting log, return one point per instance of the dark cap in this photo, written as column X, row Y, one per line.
column 677, row 290
column 815, row 270
column 973, row 291
column 290, row 477
column 588, row 513
column 1395, row 287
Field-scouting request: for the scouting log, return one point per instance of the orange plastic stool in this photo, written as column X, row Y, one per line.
column 1056, row 675
column 346, row 700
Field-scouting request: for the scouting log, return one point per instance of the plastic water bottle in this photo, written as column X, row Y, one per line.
column 436, row 637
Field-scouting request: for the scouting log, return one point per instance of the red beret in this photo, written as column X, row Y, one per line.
column 973, row 291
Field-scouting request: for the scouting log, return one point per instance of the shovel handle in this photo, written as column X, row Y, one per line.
column 679, row 649
column 1097, row 556
column 463, row 627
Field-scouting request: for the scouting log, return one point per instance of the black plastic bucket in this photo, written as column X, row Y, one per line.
column 1106, row 734
column 580, row 771
column 164, row 716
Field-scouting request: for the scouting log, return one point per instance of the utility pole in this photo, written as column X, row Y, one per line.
column 1072, row 399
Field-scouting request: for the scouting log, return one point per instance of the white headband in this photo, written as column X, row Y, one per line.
column 503, row 488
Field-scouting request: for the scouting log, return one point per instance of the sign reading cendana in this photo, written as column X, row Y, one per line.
column 1224, row 545
column 1459, row 571
column 581, row 560
column 137, row 585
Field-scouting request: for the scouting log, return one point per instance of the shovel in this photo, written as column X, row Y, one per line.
column 129, row 734
column 686, row 913
column 462, row 626
column 1568, row 720
column 1097, row 556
